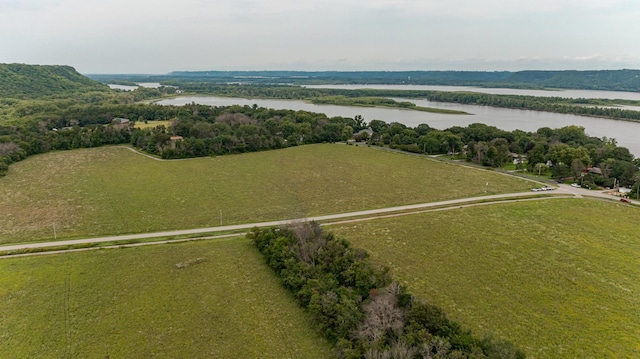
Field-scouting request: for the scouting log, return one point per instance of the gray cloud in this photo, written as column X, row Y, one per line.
column 165, row 35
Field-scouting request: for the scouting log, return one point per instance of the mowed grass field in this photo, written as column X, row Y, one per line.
column 151, row 124
column 112, row 190
column 559, row 278
column 223, row 302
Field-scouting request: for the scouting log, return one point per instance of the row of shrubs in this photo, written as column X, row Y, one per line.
column 358, row 307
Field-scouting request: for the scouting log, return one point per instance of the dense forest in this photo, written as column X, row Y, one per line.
column 613, row 80
column 358, row 307
column 34, row 81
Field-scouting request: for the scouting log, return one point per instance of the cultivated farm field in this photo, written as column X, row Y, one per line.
column 557, row 277
column 208, row 299
column 113, row 190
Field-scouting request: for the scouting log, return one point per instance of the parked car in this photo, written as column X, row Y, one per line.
column 575, row 185
column 625, row 200
column 543, row 188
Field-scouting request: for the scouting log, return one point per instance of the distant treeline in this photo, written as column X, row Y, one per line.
column 358, row 307
column 613, row 80
column 581, row 107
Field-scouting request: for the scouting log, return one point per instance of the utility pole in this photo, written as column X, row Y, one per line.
column 55, row 235
column 220, row 216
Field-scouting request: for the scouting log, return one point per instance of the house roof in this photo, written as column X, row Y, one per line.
column 120, row 120
column 595, row 170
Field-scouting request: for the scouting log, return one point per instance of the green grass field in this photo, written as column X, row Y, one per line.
column 151, row 124
column 136, row 303
column 557, row 277
column 112, row 190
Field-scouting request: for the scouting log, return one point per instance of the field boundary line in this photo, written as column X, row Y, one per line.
column 159, row 159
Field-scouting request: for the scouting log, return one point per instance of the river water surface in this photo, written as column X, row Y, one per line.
column 611, row 95
column 626, row 133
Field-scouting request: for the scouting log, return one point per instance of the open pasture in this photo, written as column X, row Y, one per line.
column 151, row 124
column 112, row 190
column 559, row 278
column 209, row 299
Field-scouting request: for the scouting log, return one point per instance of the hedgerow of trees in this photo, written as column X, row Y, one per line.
column 356, row 305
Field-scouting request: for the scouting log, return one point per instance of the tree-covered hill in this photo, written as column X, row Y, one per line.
column 35, row 81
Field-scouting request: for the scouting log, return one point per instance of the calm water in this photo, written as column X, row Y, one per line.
column 122, row 87
column 612, row 95
column 152, row 85
column 131, row 88
column 626, row 133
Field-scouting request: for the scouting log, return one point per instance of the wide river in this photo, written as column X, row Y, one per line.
column 152, row 85
column 626, row 133
column 612, row 95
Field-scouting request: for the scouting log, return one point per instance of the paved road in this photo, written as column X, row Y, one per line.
column 150, row 243
column 565, row 189
column 562, row 189
column 579, row 192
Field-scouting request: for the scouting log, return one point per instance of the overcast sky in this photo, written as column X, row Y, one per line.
column 135, row 36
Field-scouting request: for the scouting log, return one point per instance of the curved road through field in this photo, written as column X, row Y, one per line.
column 360, row 215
